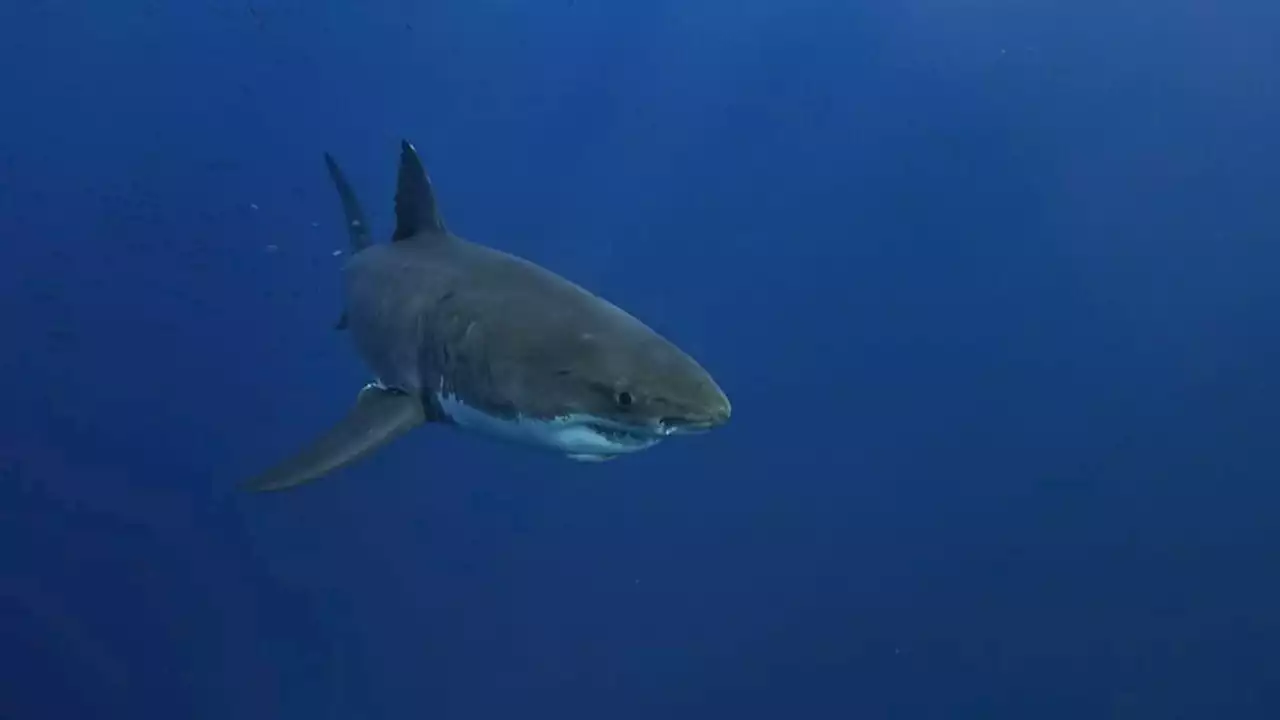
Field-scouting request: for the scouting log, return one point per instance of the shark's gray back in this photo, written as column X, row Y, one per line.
column 438, row 313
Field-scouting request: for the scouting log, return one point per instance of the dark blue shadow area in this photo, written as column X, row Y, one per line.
column 992, row 287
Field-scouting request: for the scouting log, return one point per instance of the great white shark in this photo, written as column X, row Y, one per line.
column 459, row 333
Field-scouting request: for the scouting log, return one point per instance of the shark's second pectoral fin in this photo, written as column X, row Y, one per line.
column 379, row 416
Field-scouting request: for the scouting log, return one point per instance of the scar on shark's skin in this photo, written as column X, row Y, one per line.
column 457, row 333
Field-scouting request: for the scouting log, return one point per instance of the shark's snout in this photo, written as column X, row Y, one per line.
column 719, row 413
column 718, row 409
column 709, row 415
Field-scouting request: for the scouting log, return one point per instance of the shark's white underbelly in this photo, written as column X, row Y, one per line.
column 573, row 436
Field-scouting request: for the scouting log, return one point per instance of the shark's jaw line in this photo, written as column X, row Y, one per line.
column 578, row 436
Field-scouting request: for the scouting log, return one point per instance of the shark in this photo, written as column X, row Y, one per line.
column 462, row 334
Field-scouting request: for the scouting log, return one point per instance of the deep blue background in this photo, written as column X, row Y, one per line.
column 992, row 285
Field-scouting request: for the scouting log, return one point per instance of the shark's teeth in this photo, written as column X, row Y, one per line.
column 570, row 434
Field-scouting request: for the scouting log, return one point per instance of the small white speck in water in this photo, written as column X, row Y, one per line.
column 253, row 206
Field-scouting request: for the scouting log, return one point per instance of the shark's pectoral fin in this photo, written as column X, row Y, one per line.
column 379, row 416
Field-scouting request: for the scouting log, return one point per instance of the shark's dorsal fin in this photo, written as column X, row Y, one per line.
column 416, row 211
column 357, row 228
column 379, row 416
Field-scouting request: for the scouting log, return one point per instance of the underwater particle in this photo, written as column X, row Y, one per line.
column 253, row 206
column 10, row 470
column 336, row 253
column 315, row 224
column 271, row 248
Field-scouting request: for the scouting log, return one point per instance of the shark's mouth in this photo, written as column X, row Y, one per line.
column 576, row 435
column 627, row 436
column 645, row 435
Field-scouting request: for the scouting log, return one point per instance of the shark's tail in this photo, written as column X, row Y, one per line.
column 357, row 228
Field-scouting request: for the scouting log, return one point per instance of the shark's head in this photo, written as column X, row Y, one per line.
column 622, row 390
column 592, row 387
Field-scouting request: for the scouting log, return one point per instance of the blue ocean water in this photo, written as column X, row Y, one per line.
column 992, row 287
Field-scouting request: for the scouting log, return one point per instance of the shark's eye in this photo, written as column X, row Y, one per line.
column 625, row 400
